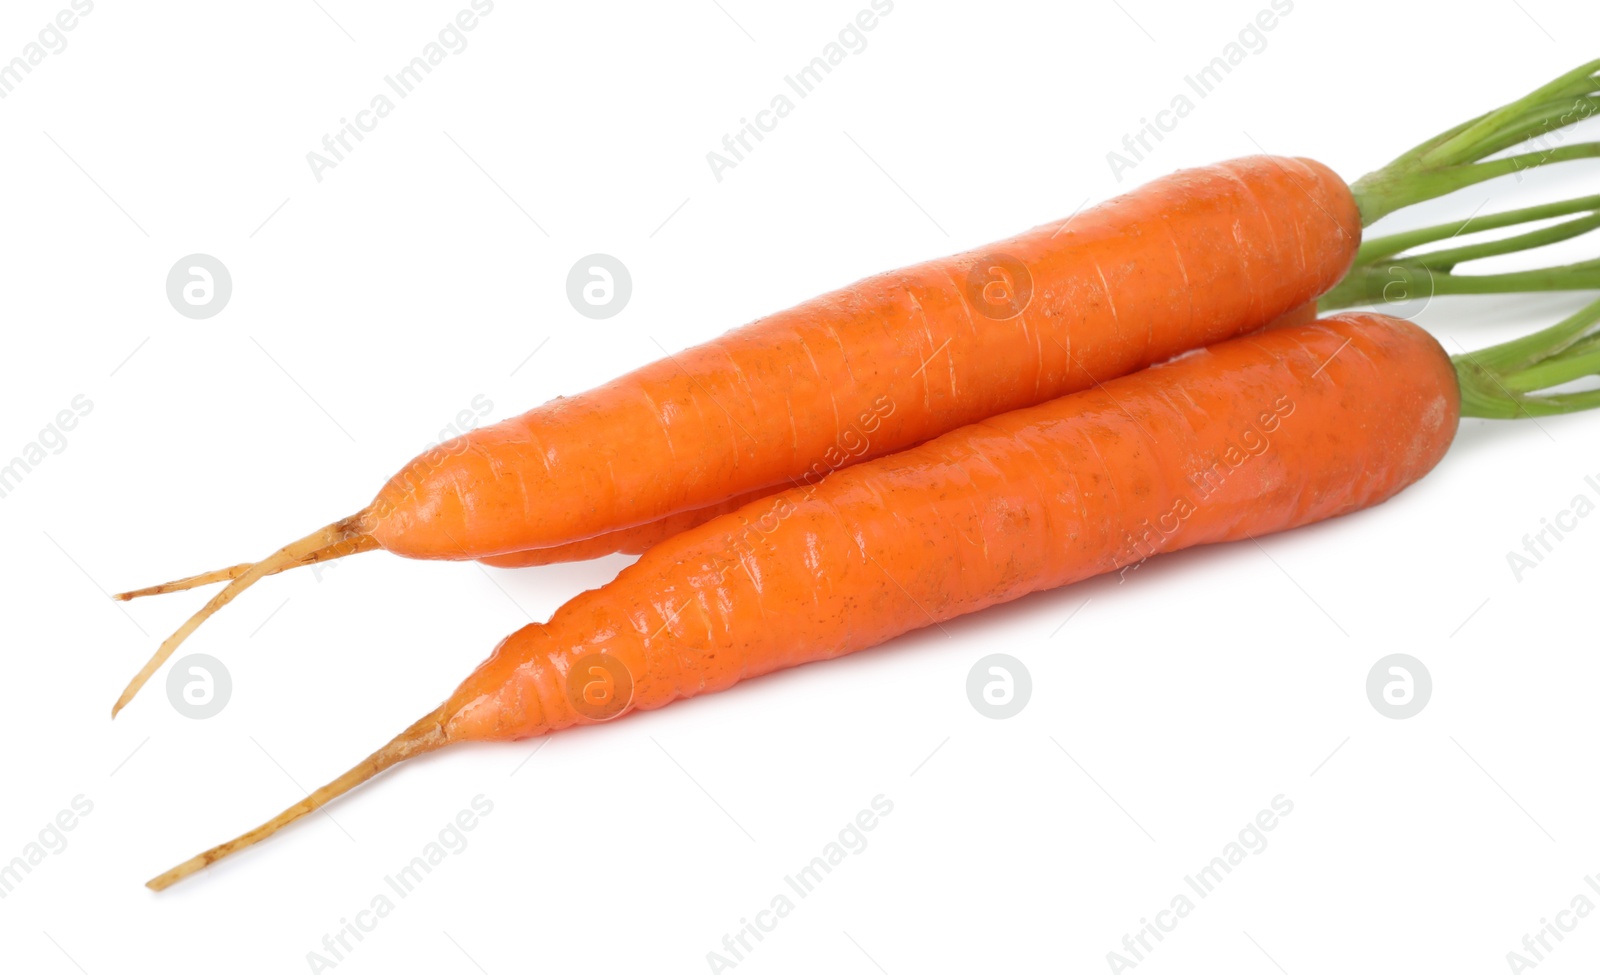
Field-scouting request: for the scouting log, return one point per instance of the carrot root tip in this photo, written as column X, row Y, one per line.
column 423, row 736
column 343, row 537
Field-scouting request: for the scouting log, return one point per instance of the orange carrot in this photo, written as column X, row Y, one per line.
column 1188, row 260
column 891, row 361
column 888, row 362
column 1260, row 434
column 625, row 541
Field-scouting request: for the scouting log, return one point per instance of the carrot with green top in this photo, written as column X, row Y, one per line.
column 1257, row 435
column 1186, row 261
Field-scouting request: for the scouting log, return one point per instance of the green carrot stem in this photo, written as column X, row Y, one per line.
column 1410, row 280
column 1466, row 144
column 1568, row 277
column 1540, row 120
column 1458, row 157
column 1513, row 379
column 1445, row 260
column 1554, row 373
column 1378, row 195
column 1380, row 247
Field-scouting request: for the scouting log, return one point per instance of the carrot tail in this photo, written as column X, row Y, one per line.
column 350, row 546
column 188, row 582
column 290, row 555
column 425, row 735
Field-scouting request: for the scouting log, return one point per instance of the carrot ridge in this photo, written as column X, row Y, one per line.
column 425, row 735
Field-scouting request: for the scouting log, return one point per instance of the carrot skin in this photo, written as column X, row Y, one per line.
column 626, row 541
column 1304, row 315
column 1187, row 260
column 1261, row 434
column 1283, row 428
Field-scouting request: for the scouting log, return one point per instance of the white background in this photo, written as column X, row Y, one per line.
column 371, row 307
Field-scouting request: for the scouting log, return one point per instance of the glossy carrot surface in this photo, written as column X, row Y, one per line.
column 1186, row 260
column 1291, row 426
column 1249, row 437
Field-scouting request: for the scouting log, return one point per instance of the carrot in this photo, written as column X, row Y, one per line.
column 625, row 541
column 1185, row 261
column 1256, row 435
column 891, row 361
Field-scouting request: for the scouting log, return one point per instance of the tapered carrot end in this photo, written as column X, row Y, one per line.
column 189, row 582
column 184, row 869
column 344, row 537
column 425, row 735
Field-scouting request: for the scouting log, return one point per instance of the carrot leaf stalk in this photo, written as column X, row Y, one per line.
column 1515, row 379
column 1461, row 156
column 425, row 735
column 1389, row 268
column 345, row 531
